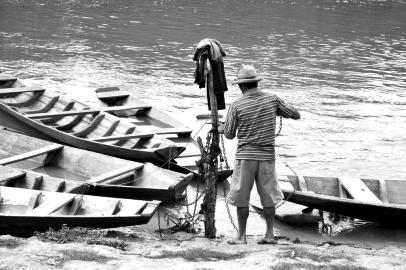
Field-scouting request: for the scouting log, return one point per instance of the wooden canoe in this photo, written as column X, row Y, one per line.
column 382, row 201
column 157, row 121
column 24, row 211
column 48, row 115
column 150, row 117
column 103, row 175
column 287, row 212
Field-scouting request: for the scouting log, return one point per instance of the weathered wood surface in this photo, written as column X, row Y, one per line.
column 7, row 78
column 302, row 183
column 112, row 94
column 19, row 90
column 31, row 154
column 358, row 190
column 210, row 175
column 49, row 207
column 121, row 137
column 87, row 111
column 113, row 174
column 7, row 174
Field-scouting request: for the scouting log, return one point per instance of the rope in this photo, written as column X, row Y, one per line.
column 194, row 202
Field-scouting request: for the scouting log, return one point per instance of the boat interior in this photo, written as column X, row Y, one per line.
column 77, row 119
column 43, row 203
column 363, row 190
column 152, row 119
column 58, row 161
column 113, row 96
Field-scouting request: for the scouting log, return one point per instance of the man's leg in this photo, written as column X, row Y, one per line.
column 242, row 216
column 269, row 213
column 270, row 195
column 239, row 195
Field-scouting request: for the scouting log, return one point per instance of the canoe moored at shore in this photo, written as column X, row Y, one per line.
column 24, row 211
column 159, row 122
column 149, row 117
column 288, row 212
column 381, row 201
column 102, row 174
column 52, row 116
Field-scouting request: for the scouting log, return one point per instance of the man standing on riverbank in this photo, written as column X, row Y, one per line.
column 254, row 117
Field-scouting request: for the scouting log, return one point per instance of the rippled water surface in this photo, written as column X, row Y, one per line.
column 342, row 63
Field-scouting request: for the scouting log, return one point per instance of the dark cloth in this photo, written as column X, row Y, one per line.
column 211, row 49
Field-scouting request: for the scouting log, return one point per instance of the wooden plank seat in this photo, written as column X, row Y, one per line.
column 30, row 154
column 113, row 174
column 19, row 90
column 163, row 131
column 111, row 93
column 121, row 137
column 8, row 174
column 358, row 190
column 62, row 114
column 86, row 111
column 126, row 108
column 49, row 207
column 4, row 78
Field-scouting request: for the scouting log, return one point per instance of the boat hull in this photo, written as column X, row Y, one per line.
column 16, row 121
column 27, row 225
column 386, row 214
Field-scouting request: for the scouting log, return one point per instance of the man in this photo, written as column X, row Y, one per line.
column 254, row 117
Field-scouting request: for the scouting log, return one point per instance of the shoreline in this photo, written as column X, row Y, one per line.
column 145, row 250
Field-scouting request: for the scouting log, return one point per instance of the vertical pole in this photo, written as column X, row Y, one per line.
column 209, row 201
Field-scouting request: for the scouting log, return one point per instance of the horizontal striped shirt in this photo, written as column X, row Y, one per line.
column 253, row 118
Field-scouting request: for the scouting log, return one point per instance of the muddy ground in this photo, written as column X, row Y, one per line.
column 139, row 248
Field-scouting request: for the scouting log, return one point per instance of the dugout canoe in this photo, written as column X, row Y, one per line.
column 381, row 201
column 25, row 211
column 154, row 119
column 102, row 175
column 151, row 118
column 288, row 212
column 49, row 115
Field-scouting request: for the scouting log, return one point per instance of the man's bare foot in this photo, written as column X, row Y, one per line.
column 267, row 241
column 237, row 241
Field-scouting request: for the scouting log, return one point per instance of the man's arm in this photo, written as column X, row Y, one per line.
column 230, row 126
column 286, row 110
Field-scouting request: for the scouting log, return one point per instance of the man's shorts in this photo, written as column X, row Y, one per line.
column 264, row 175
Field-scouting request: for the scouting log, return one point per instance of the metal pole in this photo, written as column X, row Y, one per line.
column 209, row 201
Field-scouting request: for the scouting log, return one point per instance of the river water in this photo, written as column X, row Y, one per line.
column 342, row 63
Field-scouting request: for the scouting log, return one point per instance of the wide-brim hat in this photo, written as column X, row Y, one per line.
column 247, row 74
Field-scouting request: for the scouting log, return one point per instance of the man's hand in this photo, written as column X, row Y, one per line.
column 221, row 128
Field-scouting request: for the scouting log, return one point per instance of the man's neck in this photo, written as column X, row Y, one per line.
column 250, row 91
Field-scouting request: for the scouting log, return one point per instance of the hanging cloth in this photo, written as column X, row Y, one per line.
column 211, row 49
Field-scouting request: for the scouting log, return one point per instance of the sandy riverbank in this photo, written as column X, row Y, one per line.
column 138, row 248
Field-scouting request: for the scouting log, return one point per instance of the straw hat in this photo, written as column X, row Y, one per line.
column 246, row 74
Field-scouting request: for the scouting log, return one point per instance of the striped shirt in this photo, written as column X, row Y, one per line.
column 254, row 116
